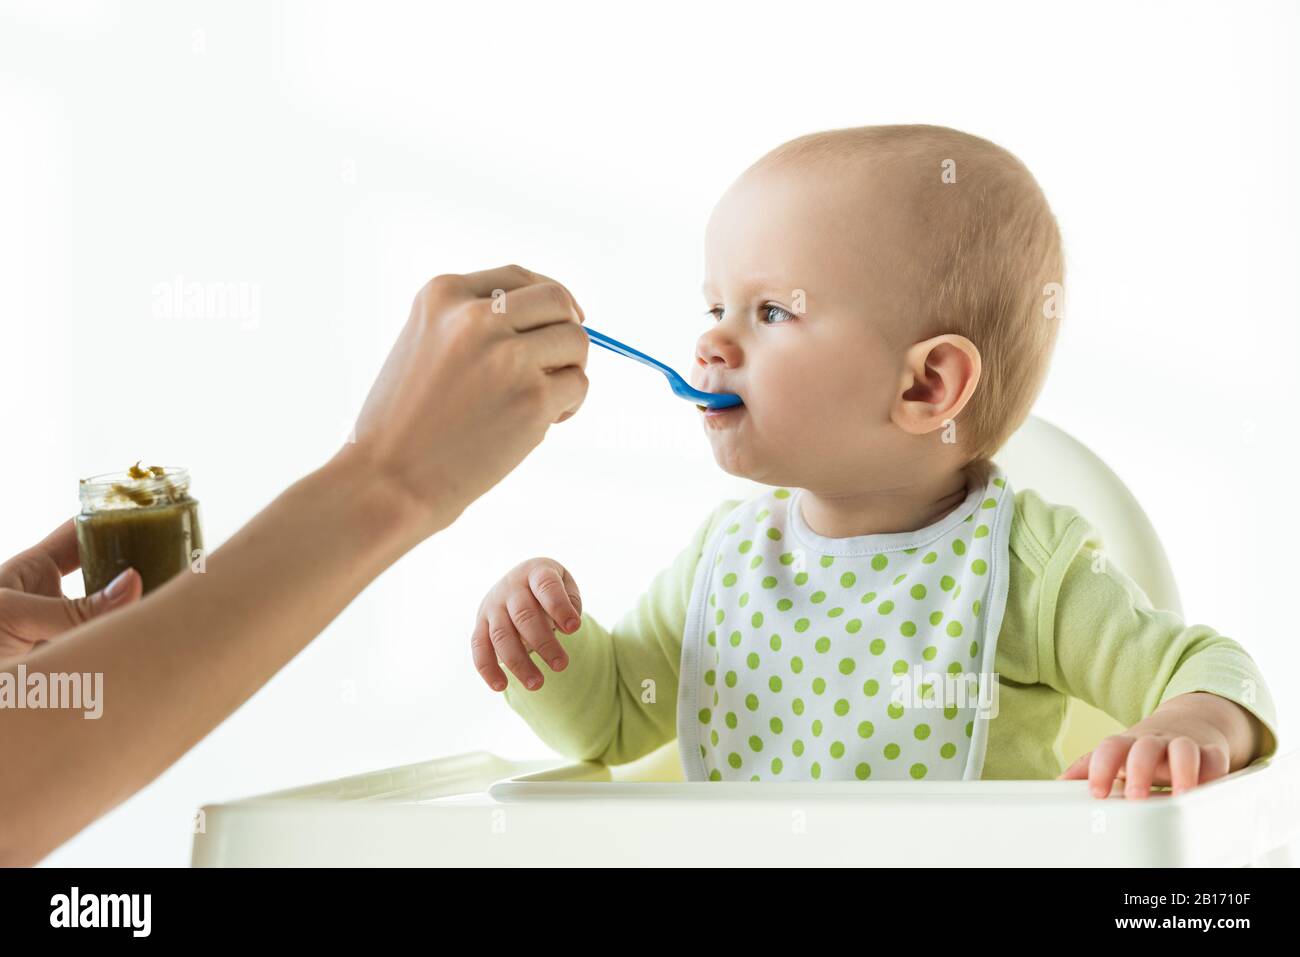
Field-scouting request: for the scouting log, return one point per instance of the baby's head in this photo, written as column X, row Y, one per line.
column 884, row 300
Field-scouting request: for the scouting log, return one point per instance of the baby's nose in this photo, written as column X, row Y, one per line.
column 713, row 348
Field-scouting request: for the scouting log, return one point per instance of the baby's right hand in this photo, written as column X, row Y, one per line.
column 520, row 614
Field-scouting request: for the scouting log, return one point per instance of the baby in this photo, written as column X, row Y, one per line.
column 885, row 303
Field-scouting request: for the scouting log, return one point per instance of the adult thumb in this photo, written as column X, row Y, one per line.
column 126, row 588
column 38, row 618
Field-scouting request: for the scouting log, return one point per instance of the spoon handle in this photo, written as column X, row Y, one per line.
column 613, row 345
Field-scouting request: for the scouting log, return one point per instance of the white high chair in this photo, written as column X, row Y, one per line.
column 478, row 809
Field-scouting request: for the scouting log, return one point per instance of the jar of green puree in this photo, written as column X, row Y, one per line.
column 143, row 518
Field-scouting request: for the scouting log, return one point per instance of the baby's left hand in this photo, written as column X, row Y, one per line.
column 1181, row 749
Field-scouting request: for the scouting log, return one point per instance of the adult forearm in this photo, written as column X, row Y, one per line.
column 466, row 392
column 178, row 663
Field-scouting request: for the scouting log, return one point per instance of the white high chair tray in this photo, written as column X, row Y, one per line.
column 479, row 810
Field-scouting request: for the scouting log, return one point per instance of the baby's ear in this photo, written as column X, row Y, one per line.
column 939, row 378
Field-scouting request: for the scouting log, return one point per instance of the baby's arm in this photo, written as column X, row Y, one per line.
column 617, row 698
column 1194, row 702
column 1191, row 738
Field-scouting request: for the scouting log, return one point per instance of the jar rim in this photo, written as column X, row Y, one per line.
column 111, row 491
column 106, row 480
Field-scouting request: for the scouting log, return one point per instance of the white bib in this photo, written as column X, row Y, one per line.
column 870, row 657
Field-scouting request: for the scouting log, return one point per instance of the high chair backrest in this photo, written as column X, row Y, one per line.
column 1064, row 471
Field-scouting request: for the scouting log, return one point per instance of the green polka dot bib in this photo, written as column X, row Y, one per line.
column 812, row 658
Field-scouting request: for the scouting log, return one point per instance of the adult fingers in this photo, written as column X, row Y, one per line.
column 560, row 345
column 61, row 546
column 507, row 279
column 37, row 618
column 539, row 304
column 566, row 390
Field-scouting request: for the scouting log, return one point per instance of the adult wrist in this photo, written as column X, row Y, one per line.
column 381, row 502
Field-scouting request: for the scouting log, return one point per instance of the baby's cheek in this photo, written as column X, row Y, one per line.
column 786, row 422
column 828, row 413
column 807, row 393
column 780, row 402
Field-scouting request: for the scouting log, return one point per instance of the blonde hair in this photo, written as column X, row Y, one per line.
column 996, row 268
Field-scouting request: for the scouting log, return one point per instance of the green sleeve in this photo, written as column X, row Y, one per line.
column 1100, row 640
column 617, row 699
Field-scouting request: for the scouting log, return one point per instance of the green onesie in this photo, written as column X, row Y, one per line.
column 829, row 651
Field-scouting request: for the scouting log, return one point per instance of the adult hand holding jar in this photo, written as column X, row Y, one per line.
column 485, row 364
column 33, row 609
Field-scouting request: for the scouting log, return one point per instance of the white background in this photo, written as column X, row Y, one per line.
column 332, row 157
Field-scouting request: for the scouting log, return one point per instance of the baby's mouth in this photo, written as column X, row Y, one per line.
column 710, row 408
column 726, row 414
column 717, row 390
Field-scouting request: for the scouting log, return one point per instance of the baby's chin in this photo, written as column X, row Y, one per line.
column 729, row 451
column 737, row 454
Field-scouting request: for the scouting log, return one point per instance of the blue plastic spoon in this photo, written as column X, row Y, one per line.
column 713, row 400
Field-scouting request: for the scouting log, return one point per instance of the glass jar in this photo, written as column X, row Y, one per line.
column 141, row 518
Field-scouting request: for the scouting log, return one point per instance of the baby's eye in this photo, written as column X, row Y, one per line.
column 775, row 314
